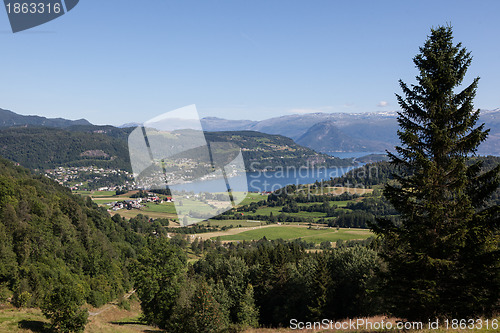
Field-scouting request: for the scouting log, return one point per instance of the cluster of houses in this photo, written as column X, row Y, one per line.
column 138, row 202
column 81, row 178
column 128, row 204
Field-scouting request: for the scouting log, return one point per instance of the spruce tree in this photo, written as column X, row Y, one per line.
column 443, row 254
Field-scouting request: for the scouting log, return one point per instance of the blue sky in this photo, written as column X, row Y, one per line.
column 119, row 61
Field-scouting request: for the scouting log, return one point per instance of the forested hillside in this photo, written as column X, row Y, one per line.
column 266, row 151
column 49, row 237
column 107, row 147
column 9, row 118
column 46, row 148
column 51, row 240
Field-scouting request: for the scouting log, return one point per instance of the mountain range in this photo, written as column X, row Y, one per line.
column 10, row 119
column 41, row 143
column 345, row 132
column 324, row 132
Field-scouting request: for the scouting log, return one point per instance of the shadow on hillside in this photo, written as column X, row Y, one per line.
column 135, row 322
column 132, row 322
column 34, row 325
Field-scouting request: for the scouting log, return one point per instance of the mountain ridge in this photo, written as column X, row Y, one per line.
column 364, row 132
column 10, row 119
column 328, row 138
column 376, row 131
column 106, row 146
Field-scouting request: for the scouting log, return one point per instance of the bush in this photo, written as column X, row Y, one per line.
column 63, row 308
column 124, row 304
column 4, row 292
column 96, row 299
column 326, row 245
column 21, row 299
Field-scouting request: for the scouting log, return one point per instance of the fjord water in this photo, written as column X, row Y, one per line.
column 266, row 181
column 354, row 154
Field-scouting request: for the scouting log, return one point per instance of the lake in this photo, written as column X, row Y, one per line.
column 264, row 181
column 355, row 154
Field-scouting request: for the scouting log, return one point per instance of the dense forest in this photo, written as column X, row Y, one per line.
column 47, row 148
column 266, row 151
column 255, row 283
column 49, row 237
column 51, row 241
column 106, row 146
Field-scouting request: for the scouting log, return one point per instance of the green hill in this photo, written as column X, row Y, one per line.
column 9, row 119
column 50, row 237
column 46, row 148
column 267, row 151
column 107, row 147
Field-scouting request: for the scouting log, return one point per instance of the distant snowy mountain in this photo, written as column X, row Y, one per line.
column 127, row 125
column 323, row 132
column 345, row 132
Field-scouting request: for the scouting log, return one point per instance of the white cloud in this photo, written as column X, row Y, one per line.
column 382, row 104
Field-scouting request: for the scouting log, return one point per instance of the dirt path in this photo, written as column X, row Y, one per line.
column 109, row 306
column 111, row 319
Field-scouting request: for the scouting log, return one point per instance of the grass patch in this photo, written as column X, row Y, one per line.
column 103, row 201
column 103, row 193
column 82, row 192
column 22, row 320
column 224, row 223
column 253, row 197
column 342, row 203
column 289, row 233
column 167, row 207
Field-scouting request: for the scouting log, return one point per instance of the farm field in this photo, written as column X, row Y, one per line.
column 253, row 197
column 225, row 223
column 163, row 210
column 134, row 212
column 340, row 190
column 295, row 232
column 256, row 207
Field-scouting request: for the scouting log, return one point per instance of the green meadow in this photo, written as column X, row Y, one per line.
column 295, row 232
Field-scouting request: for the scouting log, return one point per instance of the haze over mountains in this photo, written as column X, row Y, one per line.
column 344, row 132
column 323, row 132
column 41, row 143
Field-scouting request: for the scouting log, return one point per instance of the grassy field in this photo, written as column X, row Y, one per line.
column 107, row 319
column 294, row 232
column 104, row 201
column 168, row 210
column 340, row 190
column 83, row 192
column 134, row 212
column 164, row 210
column 166, row 207
column 224, row 223
column 96, row 193
column 253, row 197
column 21, row 320
column 111, row 319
